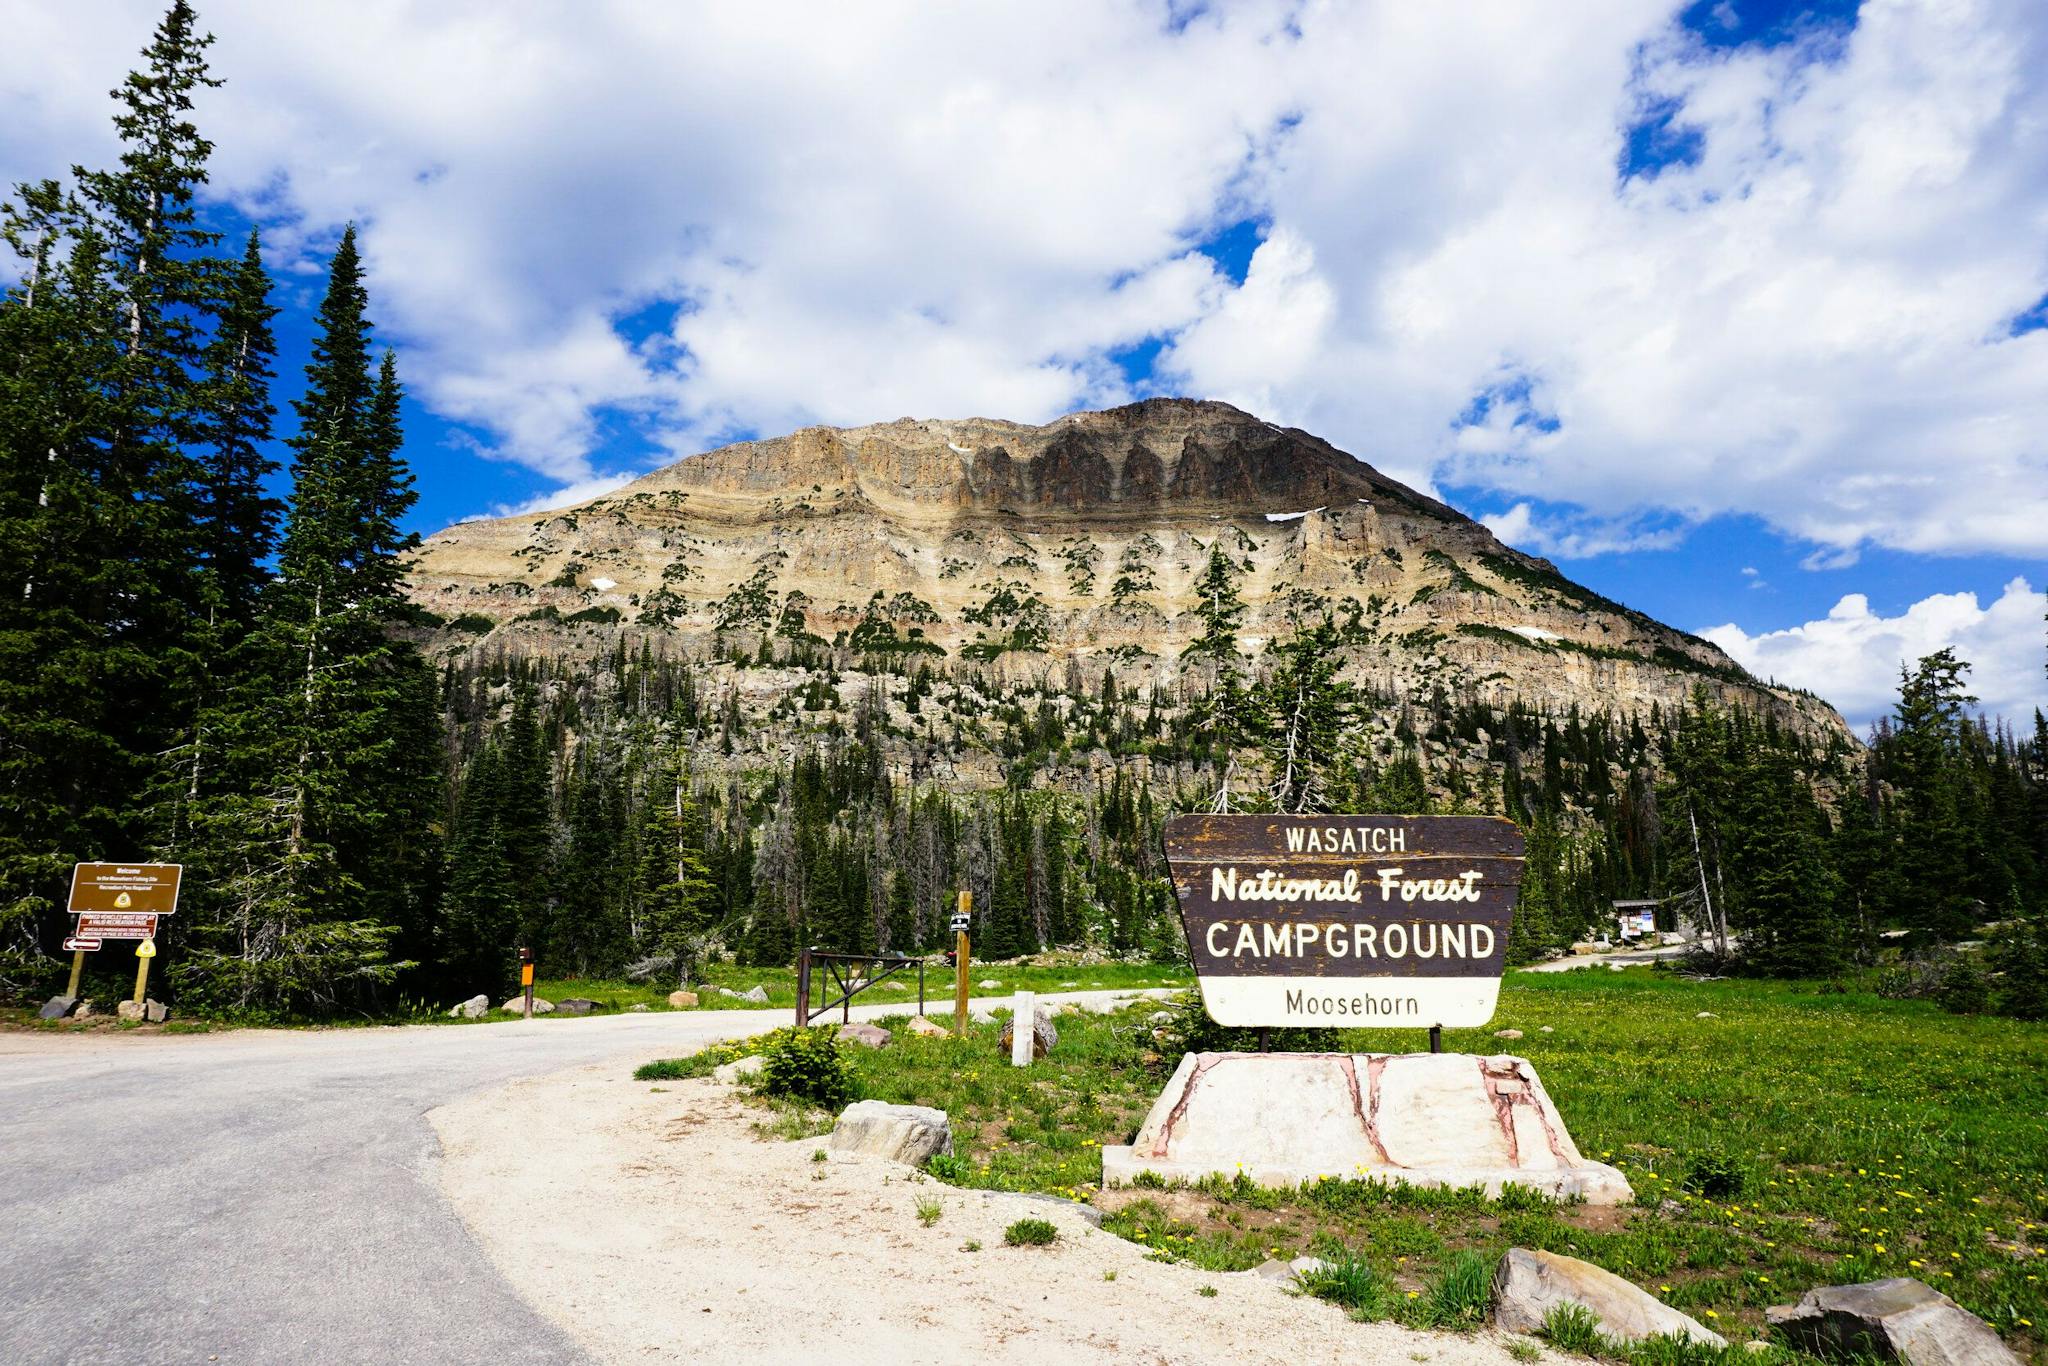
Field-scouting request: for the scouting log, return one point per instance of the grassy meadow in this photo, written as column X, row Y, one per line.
column 1793, row 1136
column 938, row 982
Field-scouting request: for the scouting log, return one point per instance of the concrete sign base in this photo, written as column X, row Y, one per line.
column 1429, row 1119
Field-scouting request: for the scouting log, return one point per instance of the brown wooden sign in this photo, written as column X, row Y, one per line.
column 139, row 887
column 1347, row 920
column 116, row 925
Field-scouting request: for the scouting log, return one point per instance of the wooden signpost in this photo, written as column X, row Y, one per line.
column 960, row 948
column 120, row 901
column 1347, row 920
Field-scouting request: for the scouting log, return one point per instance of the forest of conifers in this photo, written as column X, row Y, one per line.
column 207, row 656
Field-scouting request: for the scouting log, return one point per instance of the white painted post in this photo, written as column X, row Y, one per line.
column 1023, row 1028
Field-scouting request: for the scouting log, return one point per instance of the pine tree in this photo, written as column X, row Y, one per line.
column 98, row 548
column 1308, row 712
column 331, row 778
column 237, row 519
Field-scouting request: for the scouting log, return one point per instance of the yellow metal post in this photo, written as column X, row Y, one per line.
column 77, row 973
column 144, row 951
column 960, row 947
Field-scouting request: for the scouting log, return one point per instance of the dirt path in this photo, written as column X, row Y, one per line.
column 652, row 1225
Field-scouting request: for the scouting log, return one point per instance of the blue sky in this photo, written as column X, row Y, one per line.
column 1736, row 310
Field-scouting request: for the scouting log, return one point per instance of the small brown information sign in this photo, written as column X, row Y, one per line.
column 116, row 925
column 139, row 887
column 1347, row 920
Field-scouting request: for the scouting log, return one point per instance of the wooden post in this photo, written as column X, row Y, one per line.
column 960, row 948
column 77, row 973
column 526, row 979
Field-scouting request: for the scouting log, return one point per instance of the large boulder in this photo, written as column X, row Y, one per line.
column 681, row 1000
column 475, row 1008
column 1043, row 1035
column 57, row 1007
column 1528, row 1285
column 129, row 1010
column 901, row 1133
column 155, row 1011
column 867, row 1035
column 758, row 996
column 930, row 1028
column 1900, row 1319
column 579, row 1005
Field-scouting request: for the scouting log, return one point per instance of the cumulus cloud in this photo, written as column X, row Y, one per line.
column 854, row 213
column 1852, row 657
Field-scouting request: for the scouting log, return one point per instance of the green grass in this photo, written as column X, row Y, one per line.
column 781, row 985
column 1031, row 1233
column 1843, row 1137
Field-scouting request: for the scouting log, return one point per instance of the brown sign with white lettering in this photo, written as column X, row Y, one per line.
column 1346, row 920
column 116, row 925
column 139, row 887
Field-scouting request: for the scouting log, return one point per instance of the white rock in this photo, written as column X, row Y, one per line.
column 759, row 996
column 1528, row 1285
column 734, row 1072
column 928, row 1027
column 988, row 984
column 1507, row 1033
column 475, row 1008
column 901, row 1133
column 1429, row 1119
column 128, row 1010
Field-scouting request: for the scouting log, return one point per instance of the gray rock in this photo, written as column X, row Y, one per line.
column 578, row 1005
column 57, row 1007
column 759, row 996
column 867, row 1035
column 1308, row 1266
column 736, row 1071
column 1900, row 1319
column 515, row 1006
column 639, row 1005
column 129, row 1010
column 1160, row 1017
column 1273, row 1269
column 475, row 1008
column 155, row 1011
column 1529, row 1285
column 1044, row 1037
column 541, row 1007
column 901, row 1133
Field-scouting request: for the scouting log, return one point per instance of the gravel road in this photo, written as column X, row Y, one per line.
column 267, row 1196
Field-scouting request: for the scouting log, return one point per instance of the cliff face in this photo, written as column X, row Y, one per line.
column 1078, row 540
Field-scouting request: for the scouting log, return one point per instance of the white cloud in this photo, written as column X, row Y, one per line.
column 581, row 491
column 1524, row 528
column 870, row 211
column 1853, row 656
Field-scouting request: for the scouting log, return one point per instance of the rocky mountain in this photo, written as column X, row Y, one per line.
column 1073, row 545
